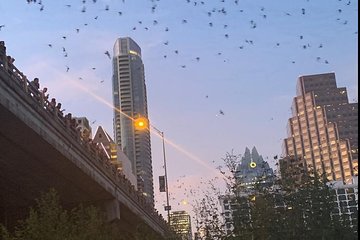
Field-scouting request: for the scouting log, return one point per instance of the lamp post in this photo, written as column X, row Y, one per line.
column 141, row 124
column 167, row 207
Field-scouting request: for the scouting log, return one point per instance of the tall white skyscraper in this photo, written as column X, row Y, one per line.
column 130, row 102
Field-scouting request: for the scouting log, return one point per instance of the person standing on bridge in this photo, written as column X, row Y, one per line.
column 59, row 110
column 10, row 60
column 44, row 95
column 68, row 119
column 34, row 87
column 2, row 49
column 52, row 105
column 35, row 84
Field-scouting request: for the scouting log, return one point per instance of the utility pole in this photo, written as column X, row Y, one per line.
column 167, row 207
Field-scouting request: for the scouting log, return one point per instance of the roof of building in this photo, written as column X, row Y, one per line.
column 252, row 167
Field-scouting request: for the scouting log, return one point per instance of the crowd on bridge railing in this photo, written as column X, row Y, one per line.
column 41, row 97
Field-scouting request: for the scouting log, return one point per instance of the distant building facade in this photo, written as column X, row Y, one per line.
column 251, row 174
column 323, row 129
column 82, row 123
column 114, row 154
column 346, row 202
column 253, row 170
column 180, row 223
column 130, row 102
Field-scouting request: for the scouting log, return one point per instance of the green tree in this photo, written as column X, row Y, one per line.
column 208, row 215
column 290, row 208
column 310, row 211
column 49, row 221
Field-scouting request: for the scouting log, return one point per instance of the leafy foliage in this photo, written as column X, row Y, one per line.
column 286, row 209
column 48, row 220
column 208, row 216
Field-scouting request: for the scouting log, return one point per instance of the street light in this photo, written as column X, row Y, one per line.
column 141, row 123
column 167, row 207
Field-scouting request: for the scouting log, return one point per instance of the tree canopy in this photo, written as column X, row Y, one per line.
column 48, row 220
column 280, row 210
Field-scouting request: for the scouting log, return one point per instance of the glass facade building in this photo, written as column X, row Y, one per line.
column 130, row 103
column 346, row 201
column 180, row 222
column 323, row 129
column 253, row 170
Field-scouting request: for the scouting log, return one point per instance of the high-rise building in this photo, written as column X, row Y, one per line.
column 323, row 129
column 180, row 222
column 130, row 103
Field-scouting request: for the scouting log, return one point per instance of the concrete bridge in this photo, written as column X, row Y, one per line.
column 41, row 149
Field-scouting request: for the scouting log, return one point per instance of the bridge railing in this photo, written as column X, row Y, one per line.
column 69, row 124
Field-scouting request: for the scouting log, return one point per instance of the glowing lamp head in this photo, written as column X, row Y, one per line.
column 140, row 123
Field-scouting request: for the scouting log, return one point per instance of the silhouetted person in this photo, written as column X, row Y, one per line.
column 10, row 59
column 34, row 87
column 58, row 109
column 44, row 95
column 68, row 119
column 2, row 48
column 52, row 104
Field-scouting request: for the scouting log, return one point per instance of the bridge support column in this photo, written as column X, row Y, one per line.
column 112, row 209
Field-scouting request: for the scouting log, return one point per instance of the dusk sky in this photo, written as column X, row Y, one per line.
column 201, row 57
